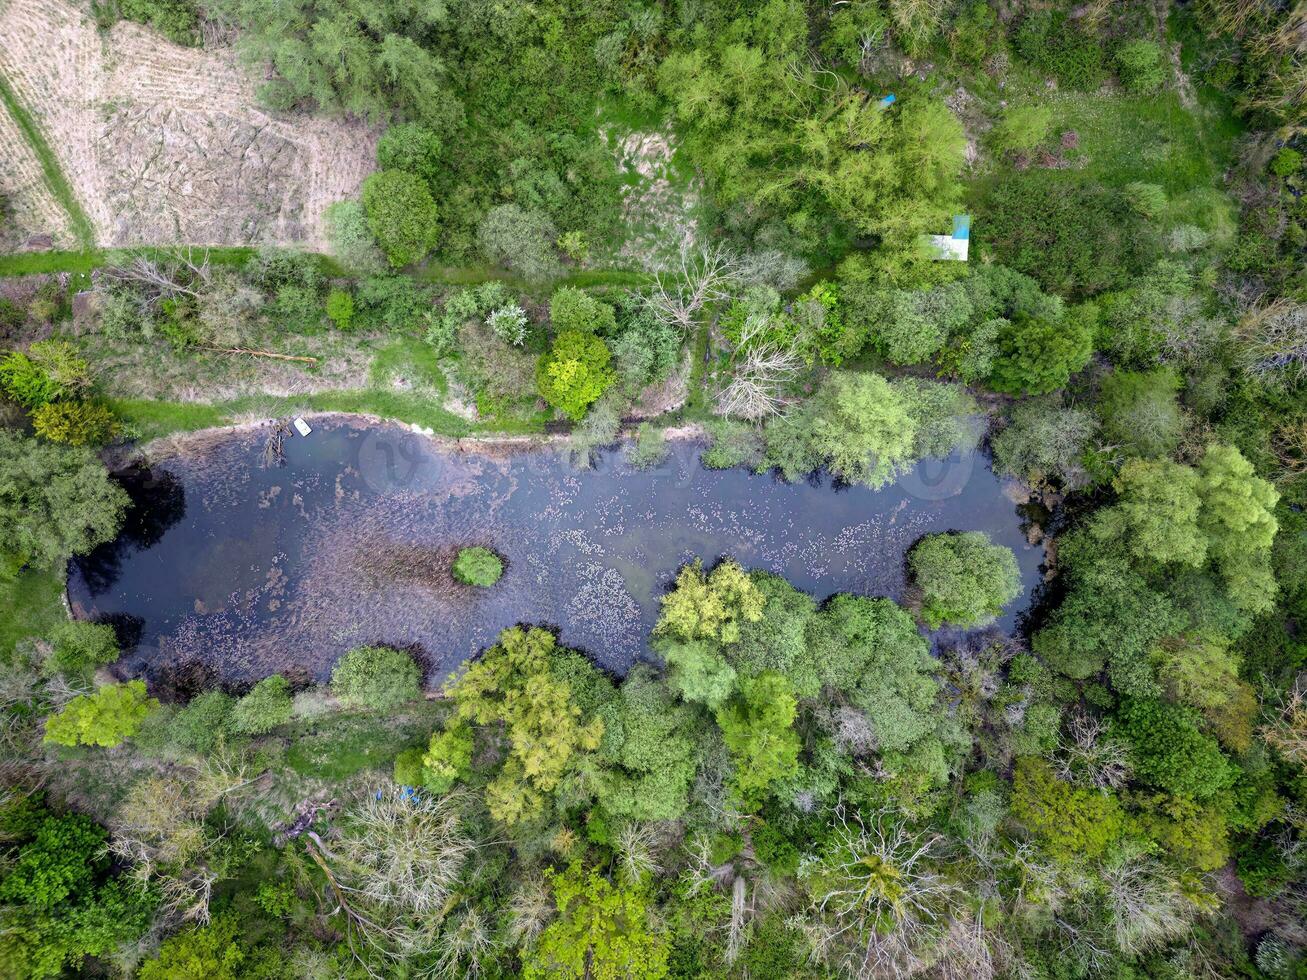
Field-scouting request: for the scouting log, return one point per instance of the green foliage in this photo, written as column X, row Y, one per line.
column 572, row 309
column 1056, row 45
column 412, row 148
column 1169, row 752
column 78, row 647
column 216, row 951
column 712, row 606
column 64, row 855
column 1043, row 440
column 51, row 370
column 376, row 677
column 602, row 931
column 575, row 372
column 267, row 705
column 478, row 566
column 401, row 215
column 75, row 423
column 758, row 729
column 351, row 239
column 1157, row 515
column 1038, row 356
column 519, row 239
column 1239, row 521
column 1286, row 162
column 515, row 684
column 1070, row 822
column 107, row 717
column 964, row 579
column 1139, row 66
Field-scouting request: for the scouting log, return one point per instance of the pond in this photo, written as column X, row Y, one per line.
column 230, row 570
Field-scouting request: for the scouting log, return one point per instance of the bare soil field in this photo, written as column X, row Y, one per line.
column 34, row 210
column 165, row 144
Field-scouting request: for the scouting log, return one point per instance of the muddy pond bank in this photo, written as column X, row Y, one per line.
column 228, row 570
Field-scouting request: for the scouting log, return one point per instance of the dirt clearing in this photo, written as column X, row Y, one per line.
column 164, row 144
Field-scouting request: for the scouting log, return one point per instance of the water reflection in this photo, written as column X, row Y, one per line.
column 241, row 571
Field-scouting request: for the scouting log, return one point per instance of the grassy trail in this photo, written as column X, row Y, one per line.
column 82, row 228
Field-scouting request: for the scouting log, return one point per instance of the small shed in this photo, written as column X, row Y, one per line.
column 954, row 247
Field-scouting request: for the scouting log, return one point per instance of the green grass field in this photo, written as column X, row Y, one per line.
column 32, row 604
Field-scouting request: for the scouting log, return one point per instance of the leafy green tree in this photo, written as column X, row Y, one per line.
column 216, row 951
column 1039, row 356
column 514, row 684
column 648, row 749
column 75, row 423
column 205, row 719
column 778, row 641
column 574, row 309
column 1141, row 413
column 964, row 579
column 575, row 372
column 1156, row 517
column 520, row 239
column 351, row 240
column 448, row 757
column 1239, row 521
column 267, row 705
column 602, row 931
column 51, row 370
column 478, row 566
column 107, row 717
column 412, row 148
column 1043, row 440
column 711, row 606
column 758, row 729
column 1069, row 821
column 697, row 670
column 1169, row 752
column 401, row 215
column 78, row 647
column 378, row 678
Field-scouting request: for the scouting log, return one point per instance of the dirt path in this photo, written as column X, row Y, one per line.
column 1184, row 87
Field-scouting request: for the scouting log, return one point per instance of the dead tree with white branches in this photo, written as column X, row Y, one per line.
column 699, row 277
column 161, row 277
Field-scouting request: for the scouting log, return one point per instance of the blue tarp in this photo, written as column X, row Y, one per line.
column 962, row 226
column 888, row 100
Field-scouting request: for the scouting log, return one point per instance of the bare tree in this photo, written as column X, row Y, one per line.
column 1087, row 758
column 1273, row 340
column 1145, row 905
column 159, row 277
column 759, row 378
column 699, row 277
column 1286, row 732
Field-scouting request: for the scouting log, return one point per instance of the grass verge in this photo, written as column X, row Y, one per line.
column 29, row 606
column 82, row 228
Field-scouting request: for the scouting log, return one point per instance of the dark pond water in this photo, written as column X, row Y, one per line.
column 243, row 570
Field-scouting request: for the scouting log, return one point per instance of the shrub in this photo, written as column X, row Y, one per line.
column 105, row 718
column 199, row 725
column 340, row 308
column 1141, row 412
column 1022, row 128
column 649, row 448
column 174, row 19
column 1139, row 66
column 50, row 370
column 448, row 758
column 572, row 309
column 1169, row 751
column 1146, row 200
column 351, row 240
column 575, row 372
column 75, row 423
column 508, row 324
column 1286, row 162
column 478, row 566
column 964, row 579
column 78, row 647
column 379, row 678
column 267, row 705
column 401, row 215
column 1054, row 44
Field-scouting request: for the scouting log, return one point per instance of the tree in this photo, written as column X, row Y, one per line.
column 78, row 647
column 859, row 425
column 1168, row 751
column 575, row 372
column 267, row 705
column 412, row 148
column 1140, row 411
column 602, row 931
column 1039, row 356
column 107, row 717
column 711, row 606
column 75, row 423
column 378, row 678
column 515, row 684
column 758, row 728
column 573, row 309
column 401, row 215
column 478, row 566
column 1238, row 518
column 697, row 670
column 1156, row 518
column 215, row 951
column 203, row 722
column 448, row 757
column 1043, row 440
column 519, row 239
column 963, row 578
column 1068, row 821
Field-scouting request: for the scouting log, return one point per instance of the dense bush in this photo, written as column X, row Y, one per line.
column 51, row 370
column 520, row 240
column 964, row 579
column 1056, row 45
column 78, row 647
column 263, row 708
column 200, row 725
column 575, row 372
column 75, row 423
column 411, row 148
column 107, row 717
column 1139, row 66
column 378, row 678
column 1036, row 357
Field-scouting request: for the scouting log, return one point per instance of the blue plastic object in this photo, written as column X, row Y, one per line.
column 961, row 226
column 888, row 100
